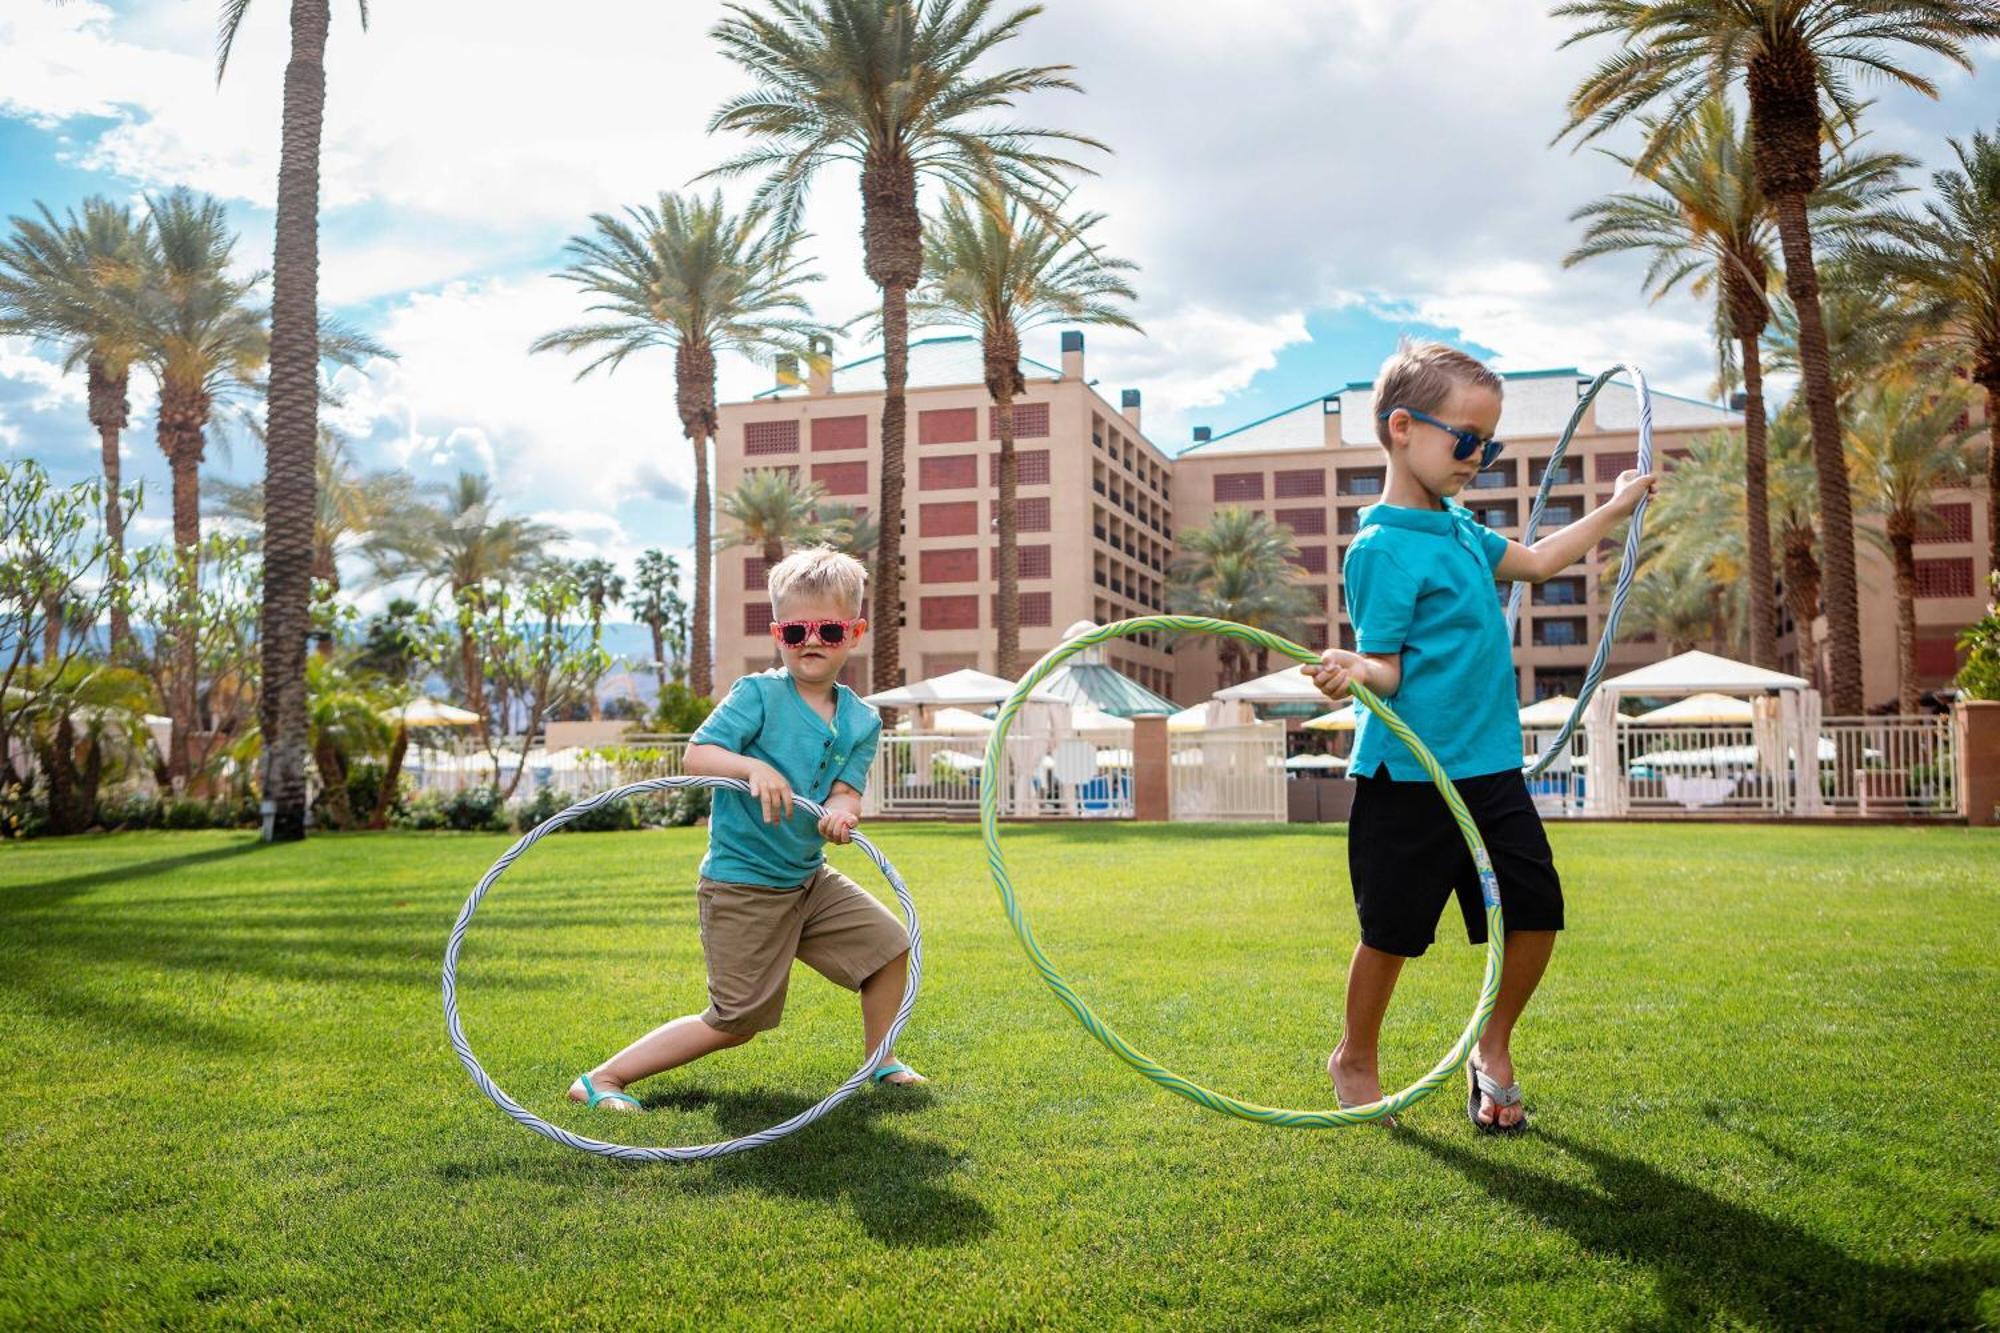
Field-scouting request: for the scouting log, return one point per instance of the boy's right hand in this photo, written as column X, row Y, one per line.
column 1336, row 670
column 768, row 785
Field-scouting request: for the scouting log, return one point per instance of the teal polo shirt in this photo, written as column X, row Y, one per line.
column 764, row 716
column 1420, row 582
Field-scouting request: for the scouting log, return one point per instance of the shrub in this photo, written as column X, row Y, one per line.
column 685, row 805
column 133, row 810
column 474, row 810
column 23, row 813
column 614, row 817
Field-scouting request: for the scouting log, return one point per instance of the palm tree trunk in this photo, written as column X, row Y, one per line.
column 183, row 417
column 1902, row 556
column 1757, row 506
column 1001, row 368
column 1802, row 595
column 701, row 672
column 659, row 650
column 291, row 449
column 888, row 618
column 475, row 681
column 1839, row 597
column 391, row 776
column 1992, row 387
column 109, row 410
column 333, row 778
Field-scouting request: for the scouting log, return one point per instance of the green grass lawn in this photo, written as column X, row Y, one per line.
column 1762, row 1075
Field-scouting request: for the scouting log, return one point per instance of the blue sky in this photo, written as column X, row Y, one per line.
column 1295, row 196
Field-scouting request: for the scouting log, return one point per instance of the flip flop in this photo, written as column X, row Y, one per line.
column 1479, row 1084
column 1389, row 1121
column 884, row 1072
column 592, row 1096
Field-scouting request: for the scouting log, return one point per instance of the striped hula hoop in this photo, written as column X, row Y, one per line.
column 1627, row 566
column 703, row 1151
column 1489, row 887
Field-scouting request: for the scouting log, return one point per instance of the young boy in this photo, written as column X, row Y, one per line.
column 766, row 894
column 1432, row 639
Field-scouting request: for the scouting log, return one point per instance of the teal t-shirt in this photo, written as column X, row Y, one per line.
column 1420, row 582
column 764, row 716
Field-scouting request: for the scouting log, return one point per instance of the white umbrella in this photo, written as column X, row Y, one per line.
column 1301, row 762
column 1550, row 713
column 1286, row 686
column 1709, row 708
column 960, row 689
column 951, row 722
column 431, row 713
column 1084, row 718
column 1344, row 718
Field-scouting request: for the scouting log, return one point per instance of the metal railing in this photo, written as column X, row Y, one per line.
column 1894, row 767
column 939, row 777
column 1228, row 773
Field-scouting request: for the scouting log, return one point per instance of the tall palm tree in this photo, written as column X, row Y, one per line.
column 63, row 281
column 850, row 530
column 1794, row 59
column 1707, row 224
column 994, row 266
column 1906, row 444
column 600, row 585
column 656, row 581
column 1951, row 256
column 1700, row 536
column 889, row 86
column 689, row 275
column 773, row 513
column 1239, row 568
column 290, row 472
column 461, row 544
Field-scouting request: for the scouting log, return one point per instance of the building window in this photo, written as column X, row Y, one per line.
column 940, row 664
column 1559, row 632
column 1033, row 562
column 757, row 618
column 1568, row 473
column 1319, row 595
column 1031, row 513
column 1608, row 466
column 755, row 572
column 953, row 518
column 1347, row 636
column 1349, row 522
column 1031, row 421
column 1954, row 524
column 1312, row 559
column 948, row 472
column 957, row 564
column 1031, row 468
column 1234, row 487
column 771, row 437
column 1566, row 591
column 1035, row 608
column 1937, row 656
column 1298, row 485
column 1499, row 515
column 1944, row 578
column 839, row 433
column 948, row 612
column 950, row 425
column 1362, row 481
column 1496, row 478
column 1548, row 684
column 1557, row 514
column 1304, row 522
column 842, row 478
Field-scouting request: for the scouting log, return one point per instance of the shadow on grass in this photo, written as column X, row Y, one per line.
column 28, row 897
column 1719, row 1262
column 896, row 1185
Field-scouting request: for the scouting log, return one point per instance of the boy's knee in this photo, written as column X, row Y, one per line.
column 736, row 1038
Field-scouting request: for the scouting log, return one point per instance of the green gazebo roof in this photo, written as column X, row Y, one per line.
column 1103, row 688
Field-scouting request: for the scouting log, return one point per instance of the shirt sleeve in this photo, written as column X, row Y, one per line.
column 1492, row 545
column 1381, row 600
column 861, row 758
column 736, row 720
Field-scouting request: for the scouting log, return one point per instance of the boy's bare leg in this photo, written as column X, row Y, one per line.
column 1371, row 980
column 1527, row 958
column 880, row 995
column 665, row 1047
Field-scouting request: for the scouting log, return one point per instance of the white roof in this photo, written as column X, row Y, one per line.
column 957, row 688
column 951, row 722
column 1286, row 686
column 1696, row 672
column 1550, row 712
column 1715, row 708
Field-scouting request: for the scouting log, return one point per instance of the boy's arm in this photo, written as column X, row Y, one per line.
column 1380, row 672
column 843, row 812
column 767, row 784
column 1560, row 549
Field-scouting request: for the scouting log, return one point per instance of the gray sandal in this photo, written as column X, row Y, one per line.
column 1479, row 1084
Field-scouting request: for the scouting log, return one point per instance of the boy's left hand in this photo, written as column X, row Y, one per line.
column 1633, row 486
column 836, row 825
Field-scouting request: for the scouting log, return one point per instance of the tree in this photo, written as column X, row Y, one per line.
column 540, row 659
column 773, row 513
column 599, row 584
column 999, row 268
column 1706, row 223
column 889, row 87
column 1794, row 59
column 1950, row 256
column 1907, row 441
column 1699, row 540
column 1239, row 568
column 656, row 600
column 850, row 531
column 205, row 645
column 86, row 726
column 398, row 647
column 64, row 282
column 689, row 275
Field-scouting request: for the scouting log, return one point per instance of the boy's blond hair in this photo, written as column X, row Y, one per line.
column 1421, row 374
column 818, row 571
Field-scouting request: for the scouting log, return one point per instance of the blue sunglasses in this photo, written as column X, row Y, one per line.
column 1467, row 444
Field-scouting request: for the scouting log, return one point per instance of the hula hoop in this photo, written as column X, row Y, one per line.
column 703, row 1151
column 1627, row 566
column 1489, row 888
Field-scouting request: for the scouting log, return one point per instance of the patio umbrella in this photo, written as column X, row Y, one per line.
column 1343, row 718
column 1714, row 709
column 1549, row 713
column 431, row 713
column 1303, row 762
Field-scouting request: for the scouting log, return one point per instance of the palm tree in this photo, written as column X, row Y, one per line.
column 887, row 85
column 689, row 275
column 1681, row 606
column 461, row 544
column 1951, row 257
column 290, row 472
column 1700, row 536
column 655, row 588
column 1239, row 568
column 1707, row 224
column 1906, row 443
column 773, row 512
column 1872, row 329
column 63, row 281
column 600, row 585
column 994, row 266
column 850, row 531
column 1794, row 59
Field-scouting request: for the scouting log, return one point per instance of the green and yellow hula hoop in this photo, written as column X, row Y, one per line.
column 1489, row 888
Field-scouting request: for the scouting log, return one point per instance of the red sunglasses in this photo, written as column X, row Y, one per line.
column 796, row 633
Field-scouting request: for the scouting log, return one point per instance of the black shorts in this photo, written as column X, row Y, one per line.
column 1406, row 857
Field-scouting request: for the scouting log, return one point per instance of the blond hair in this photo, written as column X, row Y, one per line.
column 1421, row 374
column 818, row 571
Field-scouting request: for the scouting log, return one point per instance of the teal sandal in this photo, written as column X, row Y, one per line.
column 894, row 1067
column 592, row 1096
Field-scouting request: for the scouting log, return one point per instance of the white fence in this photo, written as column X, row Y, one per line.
column 940, row 776
column 1866, row 767
column 1228, row 773
column 576, row 772
column 1889, row 766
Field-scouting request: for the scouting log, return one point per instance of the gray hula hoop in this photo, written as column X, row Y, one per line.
column 699, row 1152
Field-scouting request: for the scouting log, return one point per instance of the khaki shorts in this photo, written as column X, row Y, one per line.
column 750, row 934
